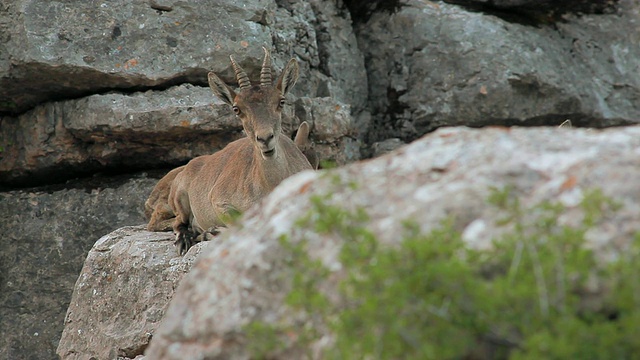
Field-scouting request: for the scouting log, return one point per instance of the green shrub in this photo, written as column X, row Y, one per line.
column 430, row 297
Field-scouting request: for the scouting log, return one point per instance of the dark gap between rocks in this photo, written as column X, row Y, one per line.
column 90, row 84
column 105, row 179
column 541, row 13
column 362, row 10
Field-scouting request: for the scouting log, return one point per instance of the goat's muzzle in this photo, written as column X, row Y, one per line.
column 267, row 145
column 269, row 153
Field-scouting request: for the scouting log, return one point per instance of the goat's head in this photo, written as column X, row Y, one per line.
column 259, row 106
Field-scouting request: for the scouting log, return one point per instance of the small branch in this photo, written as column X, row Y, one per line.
column 515, row 262
column 537, row 271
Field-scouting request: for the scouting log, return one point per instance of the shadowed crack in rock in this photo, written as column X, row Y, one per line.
column 54, row 83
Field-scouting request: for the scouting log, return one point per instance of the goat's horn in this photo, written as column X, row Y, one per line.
column 265, row 73
column 241, row 76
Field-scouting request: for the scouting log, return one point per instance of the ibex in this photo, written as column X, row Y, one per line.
column 160, row 214
column 211, row 188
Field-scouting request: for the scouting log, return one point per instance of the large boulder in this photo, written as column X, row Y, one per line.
column 435, row 64
column 67, row 49
column 64, row 49
column 448, row 174
column 46, row 236
column 122, row 292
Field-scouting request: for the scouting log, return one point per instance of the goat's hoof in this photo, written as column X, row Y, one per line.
column 184, row 241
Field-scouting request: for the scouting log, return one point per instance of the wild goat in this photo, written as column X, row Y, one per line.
column 212, row 188
column 160, row 214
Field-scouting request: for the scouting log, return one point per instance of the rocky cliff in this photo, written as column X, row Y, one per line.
column 48, row 233
column 118, row 88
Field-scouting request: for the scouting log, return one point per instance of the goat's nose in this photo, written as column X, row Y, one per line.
column 264, row 139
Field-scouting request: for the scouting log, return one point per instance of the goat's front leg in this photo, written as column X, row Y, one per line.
column 185, row 236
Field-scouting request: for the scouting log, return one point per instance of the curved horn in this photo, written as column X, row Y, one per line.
column 241, row 76
column 265, row 73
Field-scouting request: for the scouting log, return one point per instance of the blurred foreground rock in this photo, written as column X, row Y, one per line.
column 447, row 174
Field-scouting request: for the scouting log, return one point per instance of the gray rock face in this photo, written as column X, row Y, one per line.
column 122, row 44
column 332, row 128
column 65, row 49
column 122, row 293
column 46, row 238
column 321, row 36
column 446, row 174
column 432, row 65
column 386, row 146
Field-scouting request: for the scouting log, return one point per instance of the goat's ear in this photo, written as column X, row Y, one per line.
column 289, row 77
column 302, row 136
column 220, row 89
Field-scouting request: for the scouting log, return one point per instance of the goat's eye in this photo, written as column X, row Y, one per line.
column 281, row 102
column 236, row 110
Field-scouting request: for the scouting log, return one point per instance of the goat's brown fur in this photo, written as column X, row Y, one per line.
column 305, row 145
column 160, row 214
column 156, row 208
